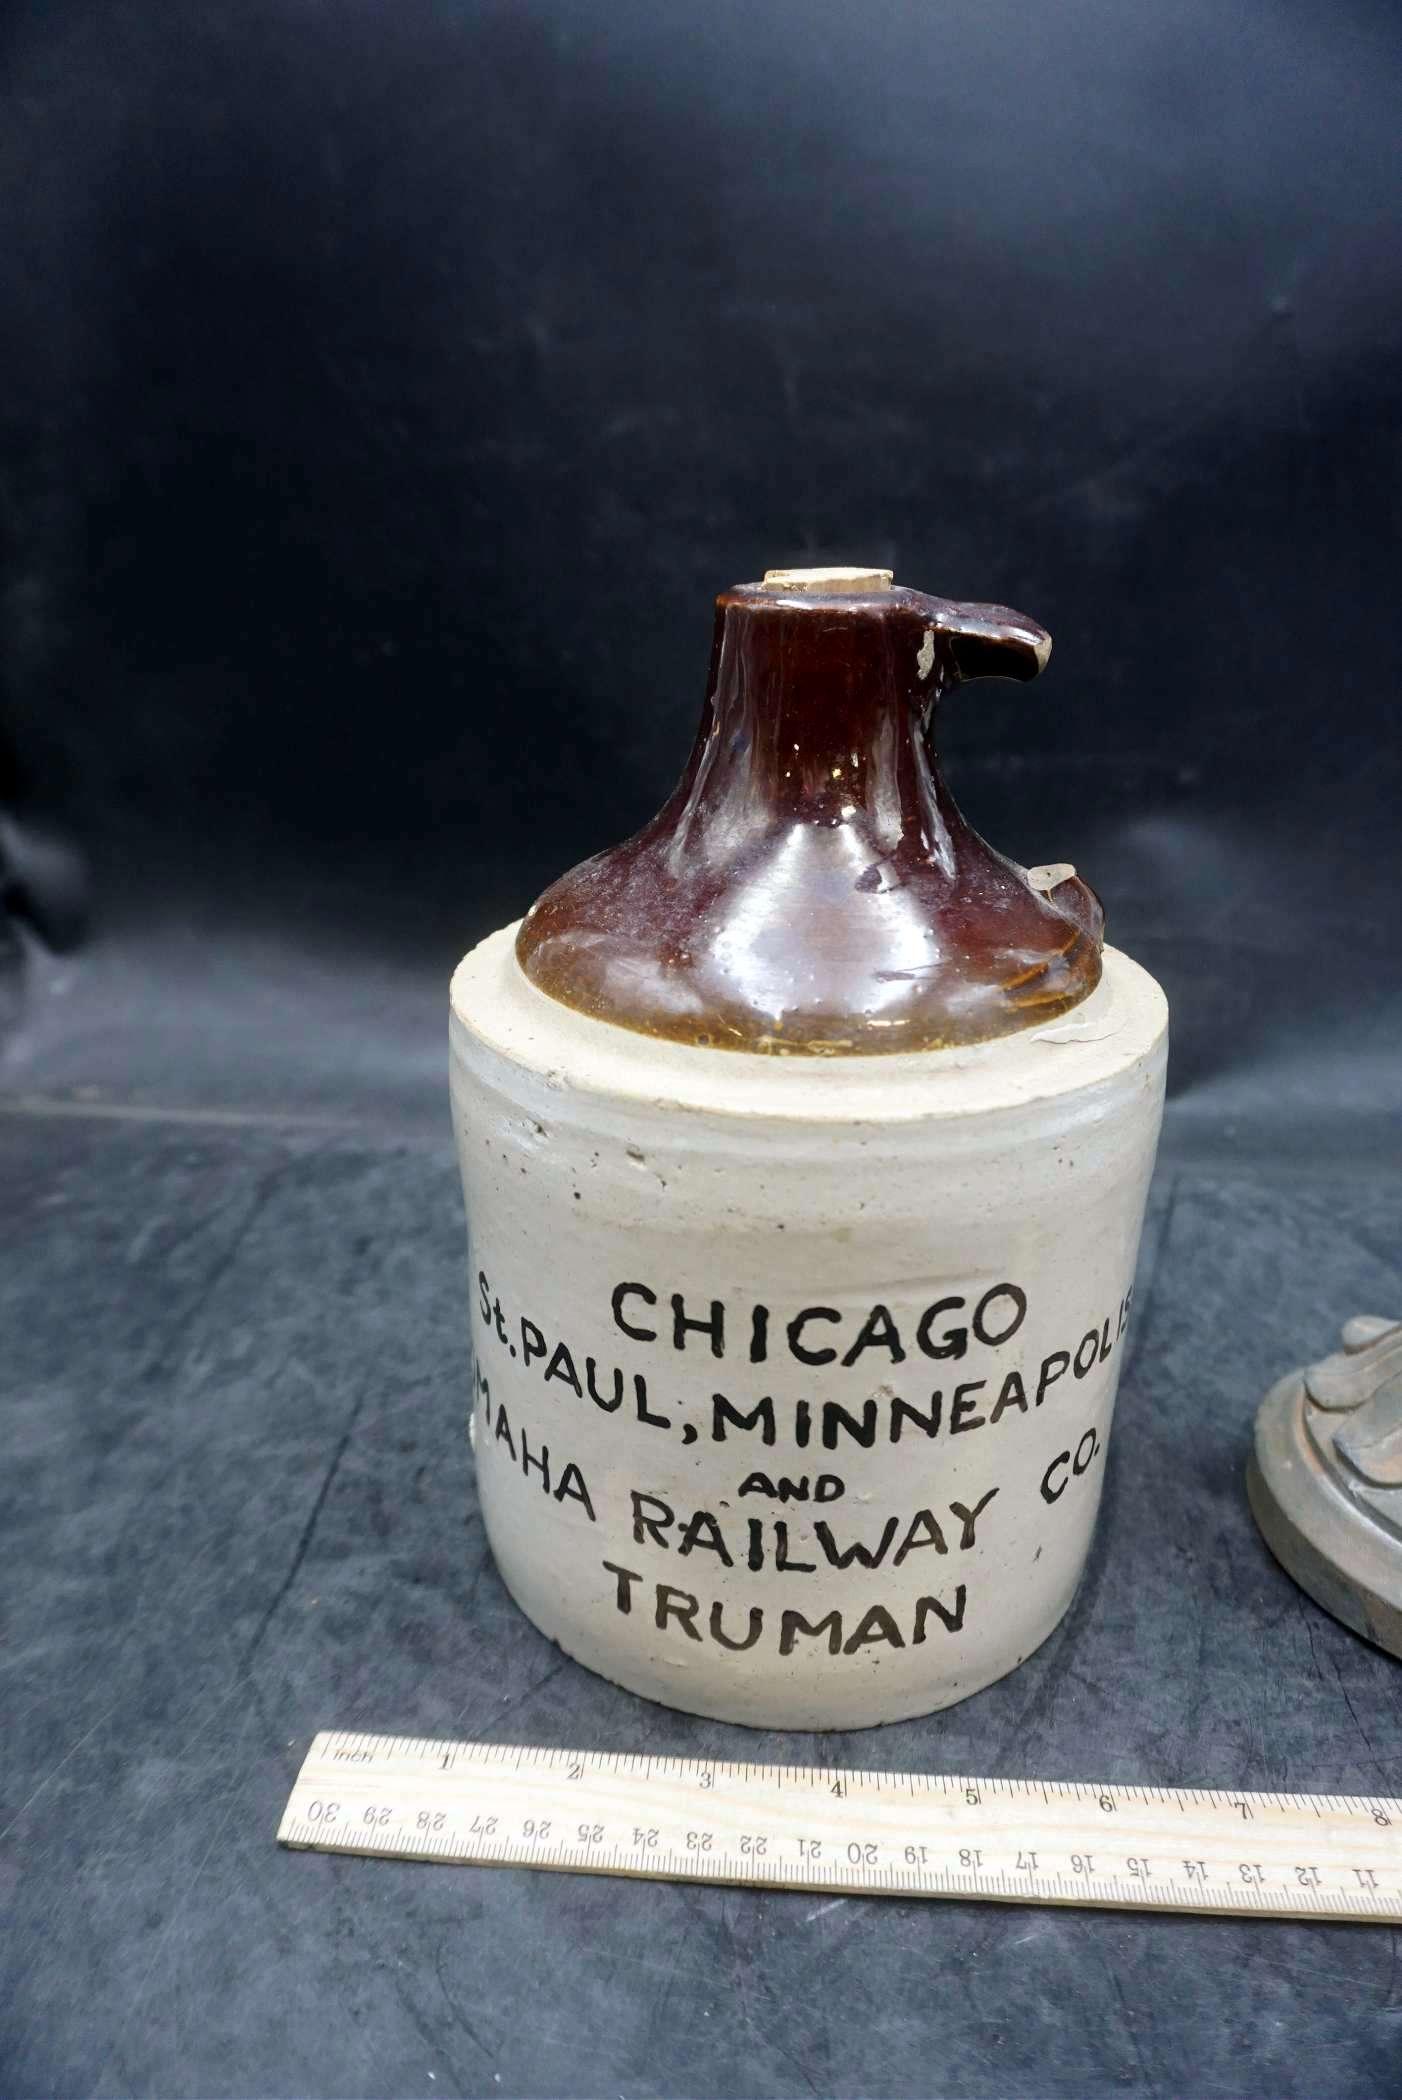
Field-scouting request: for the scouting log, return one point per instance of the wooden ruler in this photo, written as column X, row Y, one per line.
column 852, row 1833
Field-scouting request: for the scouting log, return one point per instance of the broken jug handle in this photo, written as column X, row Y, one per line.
column 992, row 641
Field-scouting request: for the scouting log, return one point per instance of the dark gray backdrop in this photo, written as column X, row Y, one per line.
column 385, row 389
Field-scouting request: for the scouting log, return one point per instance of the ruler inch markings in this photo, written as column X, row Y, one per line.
column 1112, row 1845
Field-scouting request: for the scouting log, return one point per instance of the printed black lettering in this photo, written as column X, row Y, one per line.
column 615, row 1400
column 683, row 1325
column 561, row 1366
column 703, row 1530
column 1013, row 1394
column 961, row 1410
column 902, row 1411
column 649, row 1528
column 793, row 1624
column 782, row 1564
column 541, row 1464
column 952, row 1620
column 863, row 1555
column 572, row 1489
column 762, row 1414
column 923, row 1531
column 718, row 1632
column 878, row 1332
column 633, row 1290
column 623, row 1596
column 875, row 1625
column 953, row 1342
column 795, row 1329
column 981, row 1321
column 1048, row 1376
column 969, row 1517
column 837, row 1418
column 640, row 1406
column 679, row 1605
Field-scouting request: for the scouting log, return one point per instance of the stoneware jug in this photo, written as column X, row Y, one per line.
column 805, row 1142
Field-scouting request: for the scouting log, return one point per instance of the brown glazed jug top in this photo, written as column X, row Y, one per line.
column 810, row 887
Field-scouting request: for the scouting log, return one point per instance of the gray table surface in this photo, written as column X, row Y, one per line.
column 238, row 1506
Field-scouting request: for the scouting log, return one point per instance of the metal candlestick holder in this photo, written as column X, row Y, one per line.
column 1325, row 1479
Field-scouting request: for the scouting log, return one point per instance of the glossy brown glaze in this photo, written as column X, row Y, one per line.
column 810, row 887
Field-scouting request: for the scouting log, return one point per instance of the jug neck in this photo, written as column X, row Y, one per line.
column 810, row 886
column 818, row 712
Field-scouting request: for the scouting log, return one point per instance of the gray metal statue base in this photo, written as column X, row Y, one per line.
column 1325, row 1479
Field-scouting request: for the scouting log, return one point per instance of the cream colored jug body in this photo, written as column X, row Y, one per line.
column 794, row 1377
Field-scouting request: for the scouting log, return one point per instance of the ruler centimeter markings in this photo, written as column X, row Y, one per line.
column 859, row 1833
